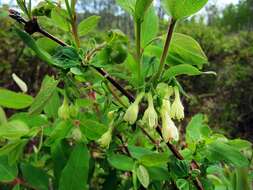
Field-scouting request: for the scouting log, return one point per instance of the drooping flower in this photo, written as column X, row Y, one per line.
column 21, row 84
column 105, row 140
column 63, row 111
column 131, row 114
column 169, row 129
column 150, row 116
column 177, row 108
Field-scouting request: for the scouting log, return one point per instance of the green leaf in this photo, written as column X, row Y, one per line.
column 183, row 8
column 149, row 27
column 88, row 24
column 35, row 121
column 30, row 42
column 13, row 149
column 59, row 17
column 84, row 102
column 220, row 151
column 197, row 129
column 7, row 172
column 185, row 50
column 158, row 173
column 179, row 168
column 183, row 69
column 52, row 106
column 47, row 90
column 13, row 130
column 154, row 159
column 13, row 100
column 182, row 184
column 121, row 162
column 60, row 156
column 240, row 144
column 60, row 131
column 141, row 7
column 66, row 57
column 3, row 118
column 75, row 174
column 16, row 187
column 47, row 44
column 143, row 176
column 137, row 152
column 127, row 5
column 35, row 177
column 92, row 129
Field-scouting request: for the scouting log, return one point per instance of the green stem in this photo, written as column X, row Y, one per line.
column 138, row 49
column 165, row 50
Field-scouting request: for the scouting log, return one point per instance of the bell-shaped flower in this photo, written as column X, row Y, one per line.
column 105, row 140
column 150, row 116
column 177, row 108
column 131, row 114
column 169, row 130
column 63, row 111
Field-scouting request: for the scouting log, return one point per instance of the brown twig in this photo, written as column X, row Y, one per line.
column 33, row 26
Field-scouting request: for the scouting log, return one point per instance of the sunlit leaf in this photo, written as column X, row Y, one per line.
column 183, row 8
column 13, row 100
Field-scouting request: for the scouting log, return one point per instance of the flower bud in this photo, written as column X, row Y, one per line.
column 110, row 115
column 106, row 138
column 131, row 114
column 150, row 116
column 63, row 111
column 76, row 134
column 177, row 108
column 73, row 110
column 169, row 130
column 21, row 84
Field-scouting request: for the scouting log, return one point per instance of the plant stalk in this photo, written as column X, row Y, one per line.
column 165, row 50
column 138, row 50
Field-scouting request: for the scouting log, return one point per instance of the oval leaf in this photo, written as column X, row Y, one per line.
column 59, row 17
column 13, row 130
column 179, row 9
column 221, row 151
column 154, row 159
column 10, row 99
column 121, row 162
column 183, row 69
column 149, row 27
column 143, row 176
column 88, row 24
column 7, row 172
column 185, row 50
column 47, row 90
column 141, row 7
column 75, row 174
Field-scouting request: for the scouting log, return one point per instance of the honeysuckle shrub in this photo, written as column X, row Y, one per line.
column 109, row 118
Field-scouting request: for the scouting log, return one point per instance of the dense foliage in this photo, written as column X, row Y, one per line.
column 86, row 130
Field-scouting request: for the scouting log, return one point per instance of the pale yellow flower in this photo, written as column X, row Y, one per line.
column 150, row 116
column 131, row 114
column 177, row 108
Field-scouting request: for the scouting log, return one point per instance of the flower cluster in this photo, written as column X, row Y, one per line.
column 168, row 110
